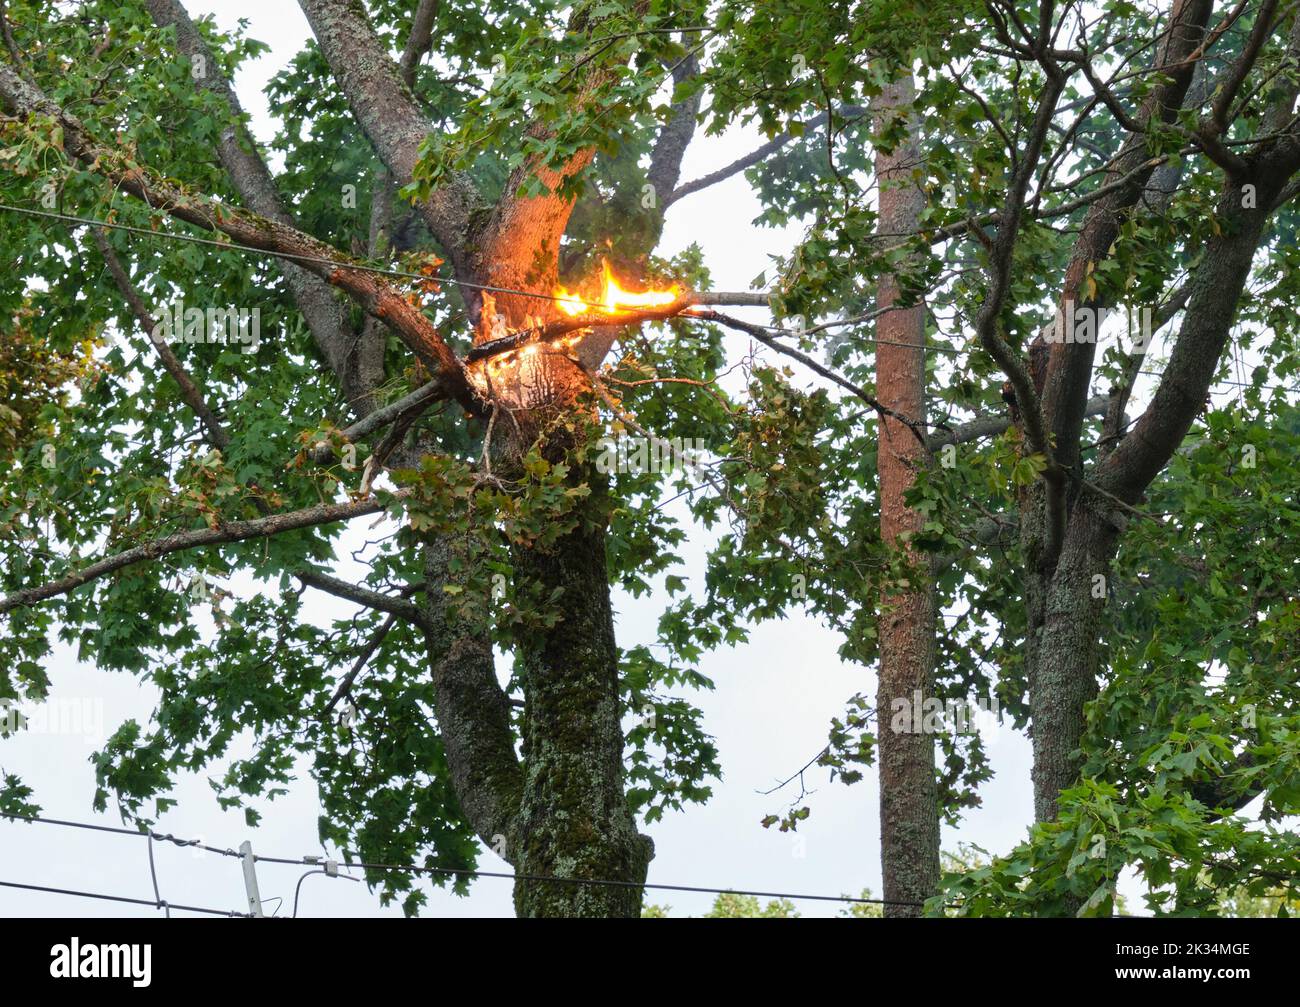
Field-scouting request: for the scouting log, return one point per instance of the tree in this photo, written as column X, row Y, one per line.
column 1072, row 518
column 909, row 811
column 1121, row 585
column 1069, row 169
column 487, row 445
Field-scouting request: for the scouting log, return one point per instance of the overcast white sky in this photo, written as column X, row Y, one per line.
column 774, row 699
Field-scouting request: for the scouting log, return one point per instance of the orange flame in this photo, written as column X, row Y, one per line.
column 614, row 298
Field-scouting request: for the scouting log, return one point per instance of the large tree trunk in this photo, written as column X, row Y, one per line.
column 1064, row 608
column 909, row 814
column 1064, row 600
column 1065, row 619
column 574, row 821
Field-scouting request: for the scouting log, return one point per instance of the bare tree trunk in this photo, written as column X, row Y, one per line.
column 909, row 814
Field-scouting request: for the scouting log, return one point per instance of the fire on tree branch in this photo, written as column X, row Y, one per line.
column 614, row 306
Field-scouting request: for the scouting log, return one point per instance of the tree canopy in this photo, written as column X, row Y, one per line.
column 406, row 310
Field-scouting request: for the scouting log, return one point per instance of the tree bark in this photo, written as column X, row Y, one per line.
column 574, row 821
column 1065, row 622
column 909, row 813
column 1064, row 615
column 473, row 710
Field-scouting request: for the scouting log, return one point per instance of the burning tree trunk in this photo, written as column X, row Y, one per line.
column 560, row 810
column 572, row 819
column 565, row 814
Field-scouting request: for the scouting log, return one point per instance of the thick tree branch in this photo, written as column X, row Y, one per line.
column 10, row 45
column 736, row 298
column 1215, row 288
column 418, row 41
column 1070, row 362
column 674, row 137
column 473, row 711
column 352, row 360
column 1241, row 67
column 388, row 112
column 230, row 531
column 561, row 327
column 1001, row 252
column 372, row 292
column 1277, row 117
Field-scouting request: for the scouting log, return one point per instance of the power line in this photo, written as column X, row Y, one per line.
column 313, row 861
column 232, row 246
column 158, row 901
column 1226, row 381
column 116, row 830
column 122, row 898
column 356, row 865
column 153, row 874
column 297, row 889
column 235, row 246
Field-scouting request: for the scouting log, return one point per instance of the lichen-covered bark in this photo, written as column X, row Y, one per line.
column 1065, row 621
column 574, row 821
column 472, row 709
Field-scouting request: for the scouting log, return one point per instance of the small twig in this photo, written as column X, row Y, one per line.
column 487, row 442
column 345, row 686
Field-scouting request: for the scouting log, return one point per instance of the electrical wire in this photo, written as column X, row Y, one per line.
column 634, row 884
column 119, row 831
column 358, row 865
column 122, row 898
column 451, row 281
column 297, row 889
column 153, row 874
column 234, row 246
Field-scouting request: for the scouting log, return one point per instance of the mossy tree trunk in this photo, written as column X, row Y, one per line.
column 574, row 819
